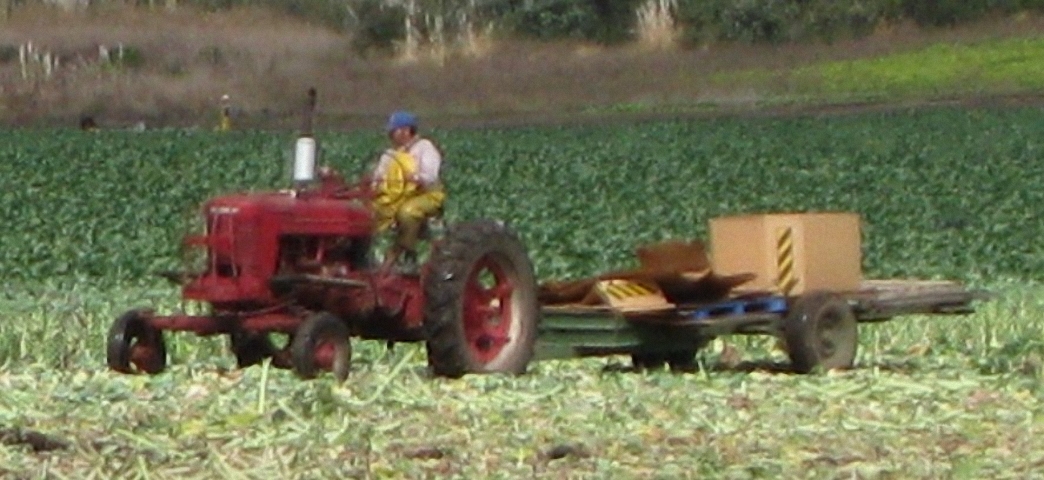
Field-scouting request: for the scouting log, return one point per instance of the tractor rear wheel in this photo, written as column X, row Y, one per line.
column 135, row 346
column 820, row 331
column 481, row 307
column 322, row 342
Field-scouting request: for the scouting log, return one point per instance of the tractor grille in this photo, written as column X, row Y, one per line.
column 221, row 230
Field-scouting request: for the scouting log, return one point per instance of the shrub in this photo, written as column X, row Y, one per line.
column 375, row 26
column 603, row 21
column 8, row 53
column 775, row 21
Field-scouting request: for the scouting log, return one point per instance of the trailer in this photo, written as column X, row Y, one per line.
column 818, row 329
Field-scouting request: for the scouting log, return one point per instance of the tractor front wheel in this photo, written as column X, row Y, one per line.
column 481, row 307
column 322, row 342
column 135, row 346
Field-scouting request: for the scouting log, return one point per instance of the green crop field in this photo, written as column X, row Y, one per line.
column 943, row 194
column 942, row 69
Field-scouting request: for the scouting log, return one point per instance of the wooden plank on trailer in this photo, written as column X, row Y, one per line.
column 884, row 299
column 576, row 309
column 896, row 289
column 900, row 284
column 632, row 296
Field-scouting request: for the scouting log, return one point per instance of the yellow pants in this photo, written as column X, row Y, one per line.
column 409, row 216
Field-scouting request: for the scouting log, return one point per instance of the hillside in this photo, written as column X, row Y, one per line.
column 169, row 68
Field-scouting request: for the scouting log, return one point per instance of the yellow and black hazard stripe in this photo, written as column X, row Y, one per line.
column 785, row 280
column 622, row 289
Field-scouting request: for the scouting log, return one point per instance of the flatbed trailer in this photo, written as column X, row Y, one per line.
column 818, row 329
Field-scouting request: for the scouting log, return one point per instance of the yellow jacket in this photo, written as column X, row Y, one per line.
column 396, row 187
column 394, row 183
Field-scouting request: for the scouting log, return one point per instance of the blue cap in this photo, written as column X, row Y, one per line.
column 401, row 119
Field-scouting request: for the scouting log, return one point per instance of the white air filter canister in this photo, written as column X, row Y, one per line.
column 304, row 159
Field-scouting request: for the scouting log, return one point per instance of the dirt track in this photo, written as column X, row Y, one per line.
column 282, row 121
column 742, row 111
column 510, row 119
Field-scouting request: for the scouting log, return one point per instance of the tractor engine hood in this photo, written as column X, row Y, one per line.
column 243, row 235
column 286, row 214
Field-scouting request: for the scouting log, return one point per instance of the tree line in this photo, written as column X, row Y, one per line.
column 377, row 25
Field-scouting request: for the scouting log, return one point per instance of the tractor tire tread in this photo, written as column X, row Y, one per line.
column 450, row 264
column 126, row 328
column 303, row 345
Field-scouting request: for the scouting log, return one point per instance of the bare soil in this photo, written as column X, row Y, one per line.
column 181, row 62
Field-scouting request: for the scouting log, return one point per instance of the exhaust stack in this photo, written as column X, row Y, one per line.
column 306, row 148
column 304, row 160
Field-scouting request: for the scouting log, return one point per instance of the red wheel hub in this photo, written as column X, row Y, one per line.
column 144, row 356
column 325, row 353
column 487, row 310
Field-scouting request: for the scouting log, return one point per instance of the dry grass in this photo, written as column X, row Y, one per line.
column 656, row 24
column 190, row 60
column 263, row 61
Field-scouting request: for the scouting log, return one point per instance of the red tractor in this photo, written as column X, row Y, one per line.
column 299, row 262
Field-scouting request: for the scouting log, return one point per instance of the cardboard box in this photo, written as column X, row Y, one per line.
column 790, row 253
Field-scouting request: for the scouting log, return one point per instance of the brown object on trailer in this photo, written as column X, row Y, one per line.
column 790, row 253
column 680, row 269
column 673, row 304
column 631, row 296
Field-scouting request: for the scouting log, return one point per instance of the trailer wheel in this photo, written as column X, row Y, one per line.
column 322, row 342
column 820, row 331
column 481, row 309
column 135, row 346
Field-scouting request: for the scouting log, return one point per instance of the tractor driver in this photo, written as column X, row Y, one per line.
column 408, row 187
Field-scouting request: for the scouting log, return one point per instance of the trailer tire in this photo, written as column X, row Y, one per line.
column 475, row 328
column 307, row 349
column 821, row 331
